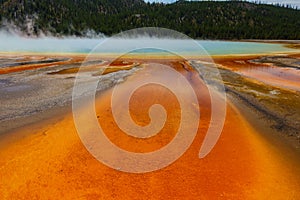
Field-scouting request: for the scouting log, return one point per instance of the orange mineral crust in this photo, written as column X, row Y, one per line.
column 41, row 62
column 279, row 71
column 52, row 163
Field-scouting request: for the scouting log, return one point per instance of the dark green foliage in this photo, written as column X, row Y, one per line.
column 209, row 20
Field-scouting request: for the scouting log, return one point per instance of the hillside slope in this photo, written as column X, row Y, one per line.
column 212, row 20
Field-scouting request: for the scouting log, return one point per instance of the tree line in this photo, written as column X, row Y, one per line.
column 204, row 20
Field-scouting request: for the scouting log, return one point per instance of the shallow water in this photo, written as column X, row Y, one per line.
column 288, row 78
column 85, row 45
column 290, row 74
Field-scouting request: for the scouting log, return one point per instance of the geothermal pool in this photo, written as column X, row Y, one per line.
column 85, row 45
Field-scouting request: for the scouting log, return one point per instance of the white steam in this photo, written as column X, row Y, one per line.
column 13, row 39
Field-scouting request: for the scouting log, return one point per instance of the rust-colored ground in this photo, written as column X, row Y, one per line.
column 52, row 163
column 282, row 77
column 7, row 70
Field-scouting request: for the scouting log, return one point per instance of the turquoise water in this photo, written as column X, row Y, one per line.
column 226, row 47
column 84, row 45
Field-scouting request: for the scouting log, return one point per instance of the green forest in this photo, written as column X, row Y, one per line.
column 201, row 19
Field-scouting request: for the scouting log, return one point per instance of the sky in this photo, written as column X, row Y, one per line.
column 290, row 2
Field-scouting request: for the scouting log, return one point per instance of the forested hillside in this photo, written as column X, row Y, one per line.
column 208, row 20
